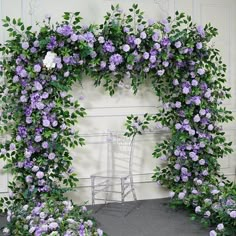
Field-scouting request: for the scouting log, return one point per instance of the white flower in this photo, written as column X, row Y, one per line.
column 6, row 230
column 54, row 233
column 25, row 207
column 49, row 60
column 32, row 229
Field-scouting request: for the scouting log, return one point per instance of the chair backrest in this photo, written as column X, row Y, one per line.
column 120, row 152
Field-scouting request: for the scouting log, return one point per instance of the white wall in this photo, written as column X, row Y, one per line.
column 109, row 113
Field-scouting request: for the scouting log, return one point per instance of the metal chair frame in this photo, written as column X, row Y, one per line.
column 125, row 179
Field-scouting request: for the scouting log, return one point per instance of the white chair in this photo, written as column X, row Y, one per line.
column 118, row 178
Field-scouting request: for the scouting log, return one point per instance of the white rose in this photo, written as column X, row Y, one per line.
column 49, row 60
column 6, row 230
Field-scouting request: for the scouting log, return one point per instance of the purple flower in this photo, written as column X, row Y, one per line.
column 29, row 179
column 126, row 48
column 103, row 64
column 38, row 86
column 194, row 191
column 52, row 43
column 207, row 214
column 25, row 45
column 38, row 138
column 196, row 100
column 54, row 123
column 108, row 46
column 89, row 38
column 178, row 104
column 93, row 54
column 167, row 29
column 185, row 90
column 165, row 41
column 35, row 168
column 28, row 154
column 45, row 95
column 198, row 209
column 143, row 35
column 191, row 132
column 45, row 144
column 100, row 232
column 112, row 67
column 3, row 151
column 199, row 45
column 23, row 73
column 205, row 173
column 46, row 123
column 151, row 22
column 157, row 46
column 40, row 174
column 194, row 83
column 212, row 233
column 15, row 79
column 177, row 166
column 37, row 68
column 12, row 146
column 51, row 156
column 201, row 71
column 53, row 225
column 66, row 74
column 126, row 29
column 175, row 82
column 181, row 195
column 201, row 31
column 74, row 37
column 178, row 44
column 233, row 214
column 116, row 59
column 152, row 59
column 165, row 63
column 196, row 118
column 145, row 55
column 22, row 131
column 160, row 72
column 36, row 43
column 33, row 50
column 101, row 40
column 210, row 127
column 220, row 226
column 140, row 27
column 39, row 105
column 155, row 36
column 23, row 99
column 137, row 41
column 65, row 30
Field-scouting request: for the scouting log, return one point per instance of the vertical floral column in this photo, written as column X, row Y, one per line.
column 38, row 77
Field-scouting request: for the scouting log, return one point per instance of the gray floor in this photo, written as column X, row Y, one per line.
column 143, row 218
column 147, row 218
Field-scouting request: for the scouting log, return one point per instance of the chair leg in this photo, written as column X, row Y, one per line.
column 132, row 188
column 93, row 189
column 106, row 194
column 122, row 190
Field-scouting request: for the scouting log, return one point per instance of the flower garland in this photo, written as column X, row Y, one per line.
column 186, row 74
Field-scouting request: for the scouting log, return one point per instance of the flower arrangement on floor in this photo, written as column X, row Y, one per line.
column 38, row 111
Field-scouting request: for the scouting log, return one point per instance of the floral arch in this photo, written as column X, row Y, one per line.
column 186, row 73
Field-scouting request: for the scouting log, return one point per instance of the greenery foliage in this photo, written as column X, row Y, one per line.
column 37, row 110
